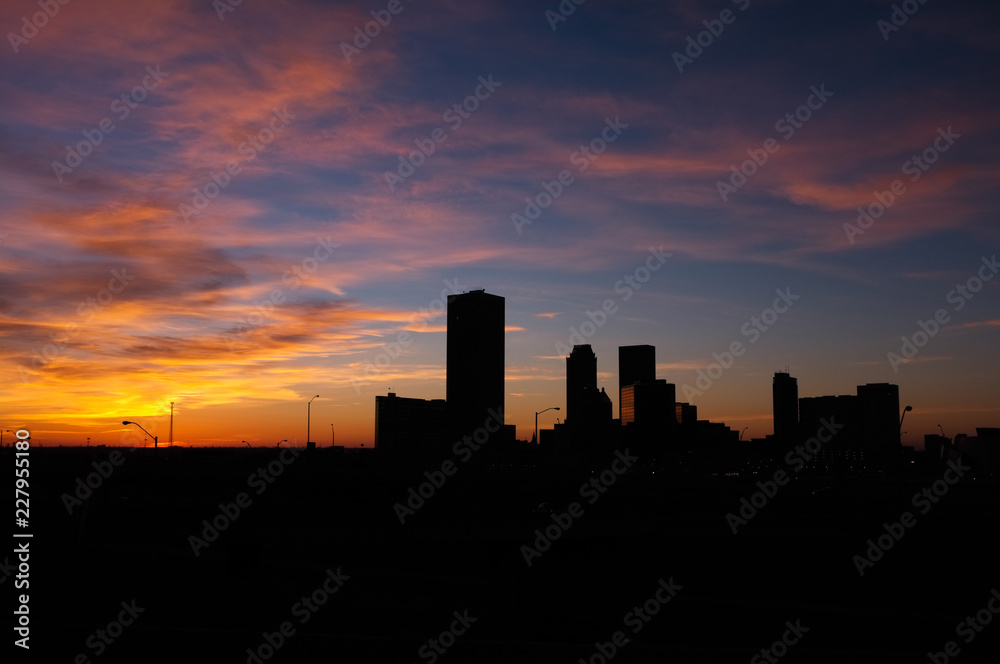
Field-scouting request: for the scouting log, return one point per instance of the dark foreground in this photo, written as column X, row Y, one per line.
column 320, row 550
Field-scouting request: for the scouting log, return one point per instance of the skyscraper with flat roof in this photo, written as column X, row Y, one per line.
column 650, row 404
column 636, row 364
column 878, row 411
column 414, row 425
column 581, row 383
column 785, row 400
column 475, row 360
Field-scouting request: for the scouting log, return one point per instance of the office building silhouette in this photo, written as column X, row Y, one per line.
column 869, row 439
column 785, row 400
column 635, row 364
column 647, row 406
column 404, row 424
column 878, row 414
column 475, row 360
column 581, row 383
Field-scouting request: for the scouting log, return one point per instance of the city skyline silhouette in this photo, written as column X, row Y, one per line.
column 570, row 331
column 195, row 232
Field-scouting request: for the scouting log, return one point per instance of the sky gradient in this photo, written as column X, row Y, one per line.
column 271, row 207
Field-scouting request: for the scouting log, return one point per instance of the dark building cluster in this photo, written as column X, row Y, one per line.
column 868, row 426
column 474, row 393
column 651, row 422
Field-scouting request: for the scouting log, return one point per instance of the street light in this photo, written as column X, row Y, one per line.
column 280, row 442
column 331, row 435
column 742, row 432
column 308, row 406
column 899, row 457
column 536, row 421
column 155, row 439
column 901, row 418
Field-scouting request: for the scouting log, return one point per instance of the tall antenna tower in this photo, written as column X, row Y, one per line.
column 171, row 422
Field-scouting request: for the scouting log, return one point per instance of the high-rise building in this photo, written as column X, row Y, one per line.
column 878, row 411
column 475, row 360
column 841, row 409
column 413, row 425
column 866, row 435
column 581, row 383
column 650, row 404
column 635, row 364
column 785, row 399
column 687, row 414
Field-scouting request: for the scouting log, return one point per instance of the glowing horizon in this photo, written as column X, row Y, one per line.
column 249, row 225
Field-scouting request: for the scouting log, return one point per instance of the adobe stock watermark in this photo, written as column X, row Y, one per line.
column 923, row 500
column 563, row 11
column 303, row 609
column 714, row 29
column 86, row 486
column 102, row 638
column 439, row 645
column 915, row 166
column 6, row 570
column 898, row 18
column 29, row 28
column 968, row 628
column 260, row 480
column 581, row 158
column 223, row 7
column 250, row 148
column 626, row 287
column 435, row 479
column 417, row 323
column 957, row 297
column 592, row 490
column 786, row 126
column 372, row 29
column 454, row 116
column 292, row 278
column 797, row 459
column 752, row 329
column 780, row 647
column 123, row 107
column 88, row 310
column 637, row 618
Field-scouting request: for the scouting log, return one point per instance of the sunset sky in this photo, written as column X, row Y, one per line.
column 137, row 270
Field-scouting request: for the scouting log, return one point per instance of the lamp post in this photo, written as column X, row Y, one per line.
column 280, row 442
column 742, row 432
column 155, row 439
column 899, row 457
column 308, row 406
column 331, row 435
column 536, row 421
column 903, row 417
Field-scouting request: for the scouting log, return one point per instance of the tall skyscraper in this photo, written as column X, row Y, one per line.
column 785, row 398
column 635, row 364
column 878, row 410
column 475, row 360
column 581, row 383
